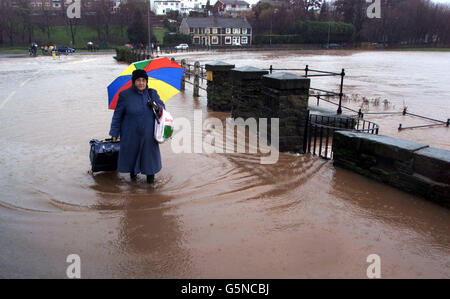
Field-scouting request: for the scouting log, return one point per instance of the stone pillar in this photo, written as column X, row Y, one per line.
column 246, row 97
column 219, row 85
column 183, row 79
column 285, row 96
column 196, row 79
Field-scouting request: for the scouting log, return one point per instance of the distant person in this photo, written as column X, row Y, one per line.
column 33, row 49
column 133, row 121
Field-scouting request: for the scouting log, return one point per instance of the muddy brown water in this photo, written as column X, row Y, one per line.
column 208, row 215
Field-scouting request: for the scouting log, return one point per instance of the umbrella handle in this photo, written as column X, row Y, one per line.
column 152, row 106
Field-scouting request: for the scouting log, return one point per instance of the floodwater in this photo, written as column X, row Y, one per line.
column 208, row 215
column 418, row 81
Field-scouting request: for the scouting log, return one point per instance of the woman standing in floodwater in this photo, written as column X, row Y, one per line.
column 133, row 121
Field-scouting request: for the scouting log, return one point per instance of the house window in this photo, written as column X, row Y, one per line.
column 207, row 30
column 228, row 31
column 191, row 30
column 214, row 30
column 227, row 40
column 215, row 40
column 244, row 40
column 235, row 30
column 244, row 30
column 196, row 40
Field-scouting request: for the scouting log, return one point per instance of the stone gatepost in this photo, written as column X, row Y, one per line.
column 285, row 96
column 219, row 85
column 183, row 78
column 196, row 79
column 246, row 98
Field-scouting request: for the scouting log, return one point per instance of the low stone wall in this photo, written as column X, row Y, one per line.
column 410, row 166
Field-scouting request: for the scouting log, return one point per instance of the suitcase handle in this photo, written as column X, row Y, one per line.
column 110, row 140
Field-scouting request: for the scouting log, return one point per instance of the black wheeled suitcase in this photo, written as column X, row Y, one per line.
column 104, row 155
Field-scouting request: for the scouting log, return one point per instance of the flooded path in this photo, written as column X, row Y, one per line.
column 208, row 215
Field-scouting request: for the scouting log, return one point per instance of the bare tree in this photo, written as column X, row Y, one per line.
column 102, row 19
column 72, row 23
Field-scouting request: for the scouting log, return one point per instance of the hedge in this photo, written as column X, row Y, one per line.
column 177, row 38
column 311, row 32
column 317, row 32
column 278, row 39
column 123, row 54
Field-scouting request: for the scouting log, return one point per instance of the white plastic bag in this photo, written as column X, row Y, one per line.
column 163, row 127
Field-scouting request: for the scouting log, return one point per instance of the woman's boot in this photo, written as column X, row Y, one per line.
column 150, row 178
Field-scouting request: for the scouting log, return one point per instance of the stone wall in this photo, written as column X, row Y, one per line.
column 246, row 95
column 409, row 166
column 219, row 88
column 285, row 96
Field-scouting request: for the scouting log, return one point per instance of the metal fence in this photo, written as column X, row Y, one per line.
column 197, row 73
column 320, row 93
column 320, row 130
column 435, row 122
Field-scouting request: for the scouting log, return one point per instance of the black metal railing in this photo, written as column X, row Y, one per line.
column 319, row 73
column 323, row 97
column 436, row 122
column 320, row 130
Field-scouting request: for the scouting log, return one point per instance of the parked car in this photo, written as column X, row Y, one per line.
column 182, row 47
column 332, row 46
column 64, row 49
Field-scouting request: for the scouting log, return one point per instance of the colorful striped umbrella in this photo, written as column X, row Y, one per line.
column 164, row 75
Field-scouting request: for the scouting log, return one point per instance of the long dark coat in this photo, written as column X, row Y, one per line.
column 134, row 122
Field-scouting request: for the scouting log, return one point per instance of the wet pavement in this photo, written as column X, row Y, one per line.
column 208, row 215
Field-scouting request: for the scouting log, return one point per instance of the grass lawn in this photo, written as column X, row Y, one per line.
column 83, row 34
column 159, row 33
column 60, row 35
column 15, row 50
